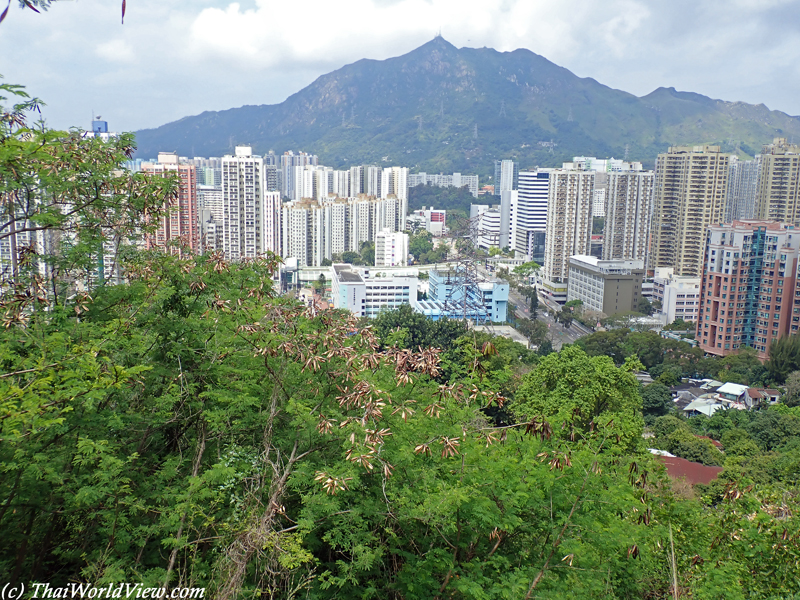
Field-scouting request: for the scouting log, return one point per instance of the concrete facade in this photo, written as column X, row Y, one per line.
column 779, row 183
column 610, row 287
column 690, row 188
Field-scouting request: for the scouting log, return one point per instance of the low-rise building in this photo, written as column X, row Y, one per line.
column 364, row 296
column 678, row 295
column 456, row 296
column 605, row 286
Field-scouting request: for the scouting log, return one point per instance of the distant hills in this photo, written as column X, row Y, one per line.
column 441, row 108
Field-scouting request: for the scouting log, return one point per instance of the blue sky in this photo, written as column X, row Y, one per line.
column 173, row 59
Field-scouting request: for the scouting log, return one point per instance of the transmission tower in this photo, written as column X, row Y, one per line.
column 419, row 127
column 475, row 132
column 465, row 298
column 441, row 110
column 502, row 108
column 569, row 117
column 625, row 158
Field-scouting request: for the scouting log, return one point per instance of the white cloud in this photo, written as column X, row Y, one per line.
column 116, row 51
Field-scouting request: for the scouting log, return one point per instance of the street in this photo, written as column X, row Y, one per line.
column 558, row 333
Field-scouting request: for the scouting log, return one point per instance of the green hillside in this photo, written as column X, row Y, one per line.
column 440, row 108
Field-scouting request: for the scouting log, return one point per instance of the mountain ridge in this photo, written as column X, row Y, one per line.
column 424, row 108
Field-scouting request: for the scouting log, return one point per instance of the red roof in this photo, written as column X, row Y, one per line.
column 693, row 472
column 715, row 442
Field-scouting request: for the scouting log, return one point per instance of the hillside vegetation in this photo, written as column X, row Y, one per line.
column 441, row 108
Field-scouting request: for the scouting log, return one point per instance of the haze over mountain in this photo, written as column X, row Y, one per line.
column 441, row 108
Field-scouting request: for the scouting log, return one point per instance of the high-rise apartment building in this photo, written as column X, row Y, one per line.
column 181, row 222
column 741, row 201
column 313, row 231
column 394, row 182
column 456, row 180
column 629, row 209
column 290, row 160
column 747, row 296
column 779, row 183
column 251, row 215
column 690, row 188
column 569, row 223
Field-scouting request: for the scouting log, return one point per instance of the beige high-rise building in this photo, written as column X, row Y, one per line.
column 569, row 221
column 689, row 196
column 779, row 183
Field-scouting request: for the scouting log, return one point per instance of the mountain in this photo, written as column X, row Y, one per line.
column 442, row 108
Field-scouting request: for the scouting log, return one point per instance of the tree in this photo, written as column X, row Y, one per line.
column 644, row 306
column 67, row 205
column 784, row 357
column 368, row 253
column 792, row 397
column 534, row 330
column 656, row 400
column 565, row 316
column 420, row 244
column 352, row 258
column 598, row 225
column 583, row 392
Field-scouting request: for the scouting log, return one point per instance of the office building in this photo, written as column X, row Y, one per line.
column 779, row 183
column 431, row 220
column 506, row 175
column 391, row 248
column 528, row 227
column 179, row 227
column 678, row 296
column 749, row 286
column 487, row 223
column 569, row 226
column 629, row 209
column 366, row 294
column 690, row 188
column 606, row 287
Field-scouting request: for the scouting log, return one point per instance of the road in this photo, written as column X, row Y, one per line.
column 558, row 333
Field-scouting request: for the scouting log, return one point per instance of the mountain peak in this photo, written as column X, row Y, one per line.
column 439, row 108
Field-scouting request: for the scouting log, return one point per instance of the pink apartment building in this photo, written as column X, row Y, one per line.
column 749, row 294
column 181, row 221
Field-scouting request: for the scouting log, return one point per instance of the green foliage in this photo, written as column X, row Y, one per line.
column 656, row 400
column 440, row 198
column 536, row 331
column 598, row 225
column 188, row 427
column 680, row 325
column 784, row 357
column 669, row 360
column 645, row 307
column 409, row 329
column 584, row 392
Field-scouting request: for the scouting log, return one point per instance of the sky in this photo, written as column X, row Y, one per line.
column 172, row 59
